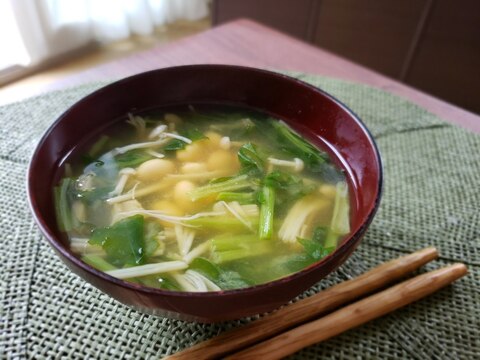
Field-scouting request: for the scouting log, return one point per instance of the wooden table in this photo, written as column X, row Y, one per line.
column 244, row 42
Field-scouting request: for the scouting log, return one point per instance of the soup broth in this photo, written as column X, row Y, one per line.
column 202, row 200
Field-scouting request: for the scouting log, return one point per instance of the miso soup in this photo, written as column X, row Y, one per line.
column 202, row 198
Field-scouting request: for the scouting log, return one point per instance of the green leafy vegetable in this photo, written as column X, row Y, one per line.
column 232, row 280
column 225, row 279
column 282, row 180
column 294, row 145
column 194, row 134
column 315, row 247
column 152, row 229
column 206, row 268
column 174, row 145
column 123, row 241
column 67, row 194
column 251, row 160
column 288, row 264
column 132, row 158
column 291, row 187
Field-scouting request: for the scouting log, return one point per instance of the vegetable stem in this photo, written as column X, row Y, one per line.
column 98, row 262
column 254, row 249
column 242, row 198
column 340, row 224
column 235, row 183
column 265, row 225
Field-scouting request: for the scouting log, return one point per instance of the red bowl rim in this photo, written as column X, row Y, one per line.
column 338, row 252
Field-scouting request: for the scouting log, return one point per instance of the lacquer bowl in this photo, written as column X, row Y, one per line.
column 318, row 116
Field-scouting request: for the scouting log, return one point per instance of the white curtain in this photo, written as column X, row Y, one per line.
column 51, row 27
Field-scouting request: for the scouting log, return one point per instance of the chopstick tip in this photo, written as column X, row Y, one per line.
column 461, row 268
column 431, row 251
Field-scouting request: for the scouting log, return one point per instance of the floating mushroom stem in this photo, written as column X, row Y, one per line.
column 124, row 176
column 157, row 131
column 142, row 145
column 296, row 164
column 155, row 153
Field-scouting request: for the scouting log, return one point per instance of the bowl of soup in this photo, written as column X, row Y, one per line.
column 205, row 192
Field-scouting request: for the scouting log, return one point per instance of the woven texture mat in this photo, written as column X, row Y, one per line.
column 431, row 197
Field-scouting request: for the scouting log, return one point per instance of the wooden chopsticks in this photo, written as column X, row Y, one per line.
column 353, row 315
column 333, row 324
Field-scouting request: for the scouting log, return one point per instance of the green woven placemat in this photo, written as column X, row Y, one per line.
column 431, row 197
